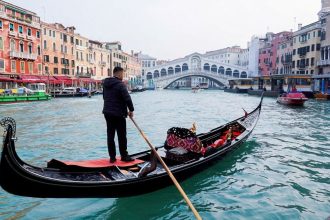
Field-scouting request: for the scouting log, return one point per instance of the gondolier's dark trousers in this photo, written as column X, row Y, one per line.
column 118, row 124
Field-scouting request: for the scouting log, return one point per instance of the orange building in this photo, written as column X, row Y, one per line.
column 20, row 42
column 58, row 49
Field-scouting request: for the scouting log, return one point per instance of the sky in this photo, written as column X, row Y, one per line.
column 170, row 29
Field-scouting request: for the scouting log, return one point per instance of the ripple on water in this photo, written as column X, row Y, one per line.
column 281, row 172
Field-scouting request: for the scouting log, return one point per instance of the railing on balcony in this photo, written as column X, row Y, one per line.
column 102, row 63
column 13, row 33
column 302, row 66
column 22, row 55
column 91, row 61
column 323, row 63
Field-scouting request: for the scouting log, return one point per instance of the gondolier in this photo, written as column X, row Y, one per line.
column 116, row 101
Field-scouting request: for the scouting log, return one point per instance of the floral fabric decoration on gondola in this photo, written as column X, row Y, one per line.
column 184, row 138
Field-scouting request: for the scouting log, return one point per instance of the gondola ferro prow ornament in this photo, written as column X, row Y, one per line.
column 5, row 123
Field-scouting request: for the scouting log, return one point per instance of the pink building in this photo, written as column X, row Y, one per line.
column 268, row 53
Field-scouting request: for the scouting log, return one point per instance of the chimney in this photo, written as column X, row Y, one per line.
column 299, row 26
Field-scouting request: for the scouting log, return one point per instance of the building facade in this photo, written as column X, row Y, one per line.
column 322, row 79
column 99, row 58
column 284, row 55
column 134, row 68
column 230, row 55
column 268, row 53
column 306, row 49
column 20, row 41
column 58, row 49
column 84, row 68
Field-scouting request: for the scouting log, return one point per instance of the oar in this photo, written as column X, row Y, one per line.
column 191, row 206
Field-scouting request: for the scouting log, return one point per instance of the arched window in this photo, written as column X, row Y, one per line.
column 228, row 72
column 39, row 50
column 214, row 68
column 184, row 67
column 221, row 70
column 54, row 47
column 149, row 75
column 82, row 70
column 156, row 74
column 12, row 45
column 177, row 69
column 94, row 55
column 30, row 48
column 1, row 43
column 77, row 69
column 236, row 74
column 243, row 75
column 207, row 67
column 21, row 46
column 170, row 70
column 101, row 57
column 163, row 72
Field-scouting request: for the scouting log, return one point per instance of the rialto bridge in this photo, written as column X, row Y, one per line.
column 194, row 65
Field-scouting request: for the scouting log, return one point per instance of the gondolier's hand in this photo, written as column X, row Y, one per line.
column 130, row 114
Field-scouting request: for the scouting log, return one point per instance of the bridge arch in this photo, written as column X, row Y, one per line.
column 156, row 74
column 163, row 72
column 229, row 72
column 243, row 74
column 221, row 70
column 149, row 75
column 170, row 71
column 236, row 74
column 214, row 68
column 177, row 69
column 184, row 67
column 208, row 76
column 206, row 67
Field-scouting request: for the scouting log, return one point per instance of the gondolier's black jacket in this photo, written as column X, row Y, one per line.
column 116, row 98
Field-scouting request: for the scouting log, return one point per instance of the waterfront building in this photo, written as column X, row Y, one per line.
column 84, row 68
column 133, row 69
column 146, row 63
column 284, row 54
column 268, row 53
column 322, row 78
column 99, row 58
column 306, row 49
column 231, row 55
column 58, row 49
column 254, row 47
column 20, row 42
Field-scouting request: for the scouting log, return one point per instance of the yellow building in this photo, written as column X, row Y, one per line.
column 83, row 67
column 306, row 49
column 99, row 58
column 134, row 67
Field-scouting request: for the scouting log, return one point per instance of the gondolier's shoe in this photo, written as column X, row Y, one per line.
column 113, row 160
column 127, row 159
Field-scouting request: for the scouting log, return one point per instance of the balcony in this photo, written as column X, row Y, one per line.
column 12, row 33
column 21, row 35
column 323, row 63
column 102, row 63
column 91, row 61
column 302, row 66
column 78, row 47
column 25, row 56
column 29, row 37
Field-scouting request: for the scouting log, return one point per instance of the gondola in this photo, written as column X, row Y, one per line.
column 62, row 180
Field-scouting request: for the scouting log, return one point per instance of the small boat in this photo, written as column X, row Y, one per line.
column 99, row 178
column 196, row 89
column 292, row 98
column 138, row 89
column 34, row 92
column 71, row 92
column 322, row 96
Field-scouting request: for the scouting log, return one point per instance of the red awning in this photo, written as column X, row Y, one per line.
column 30, row 79
column 51, row 79
column 6, row 79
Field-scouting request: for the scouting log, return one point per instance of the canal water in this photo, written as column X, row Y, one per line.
column 281, row 172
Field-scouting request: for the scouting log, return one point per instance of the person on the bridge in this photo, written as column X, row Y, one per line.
column 116, row 101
